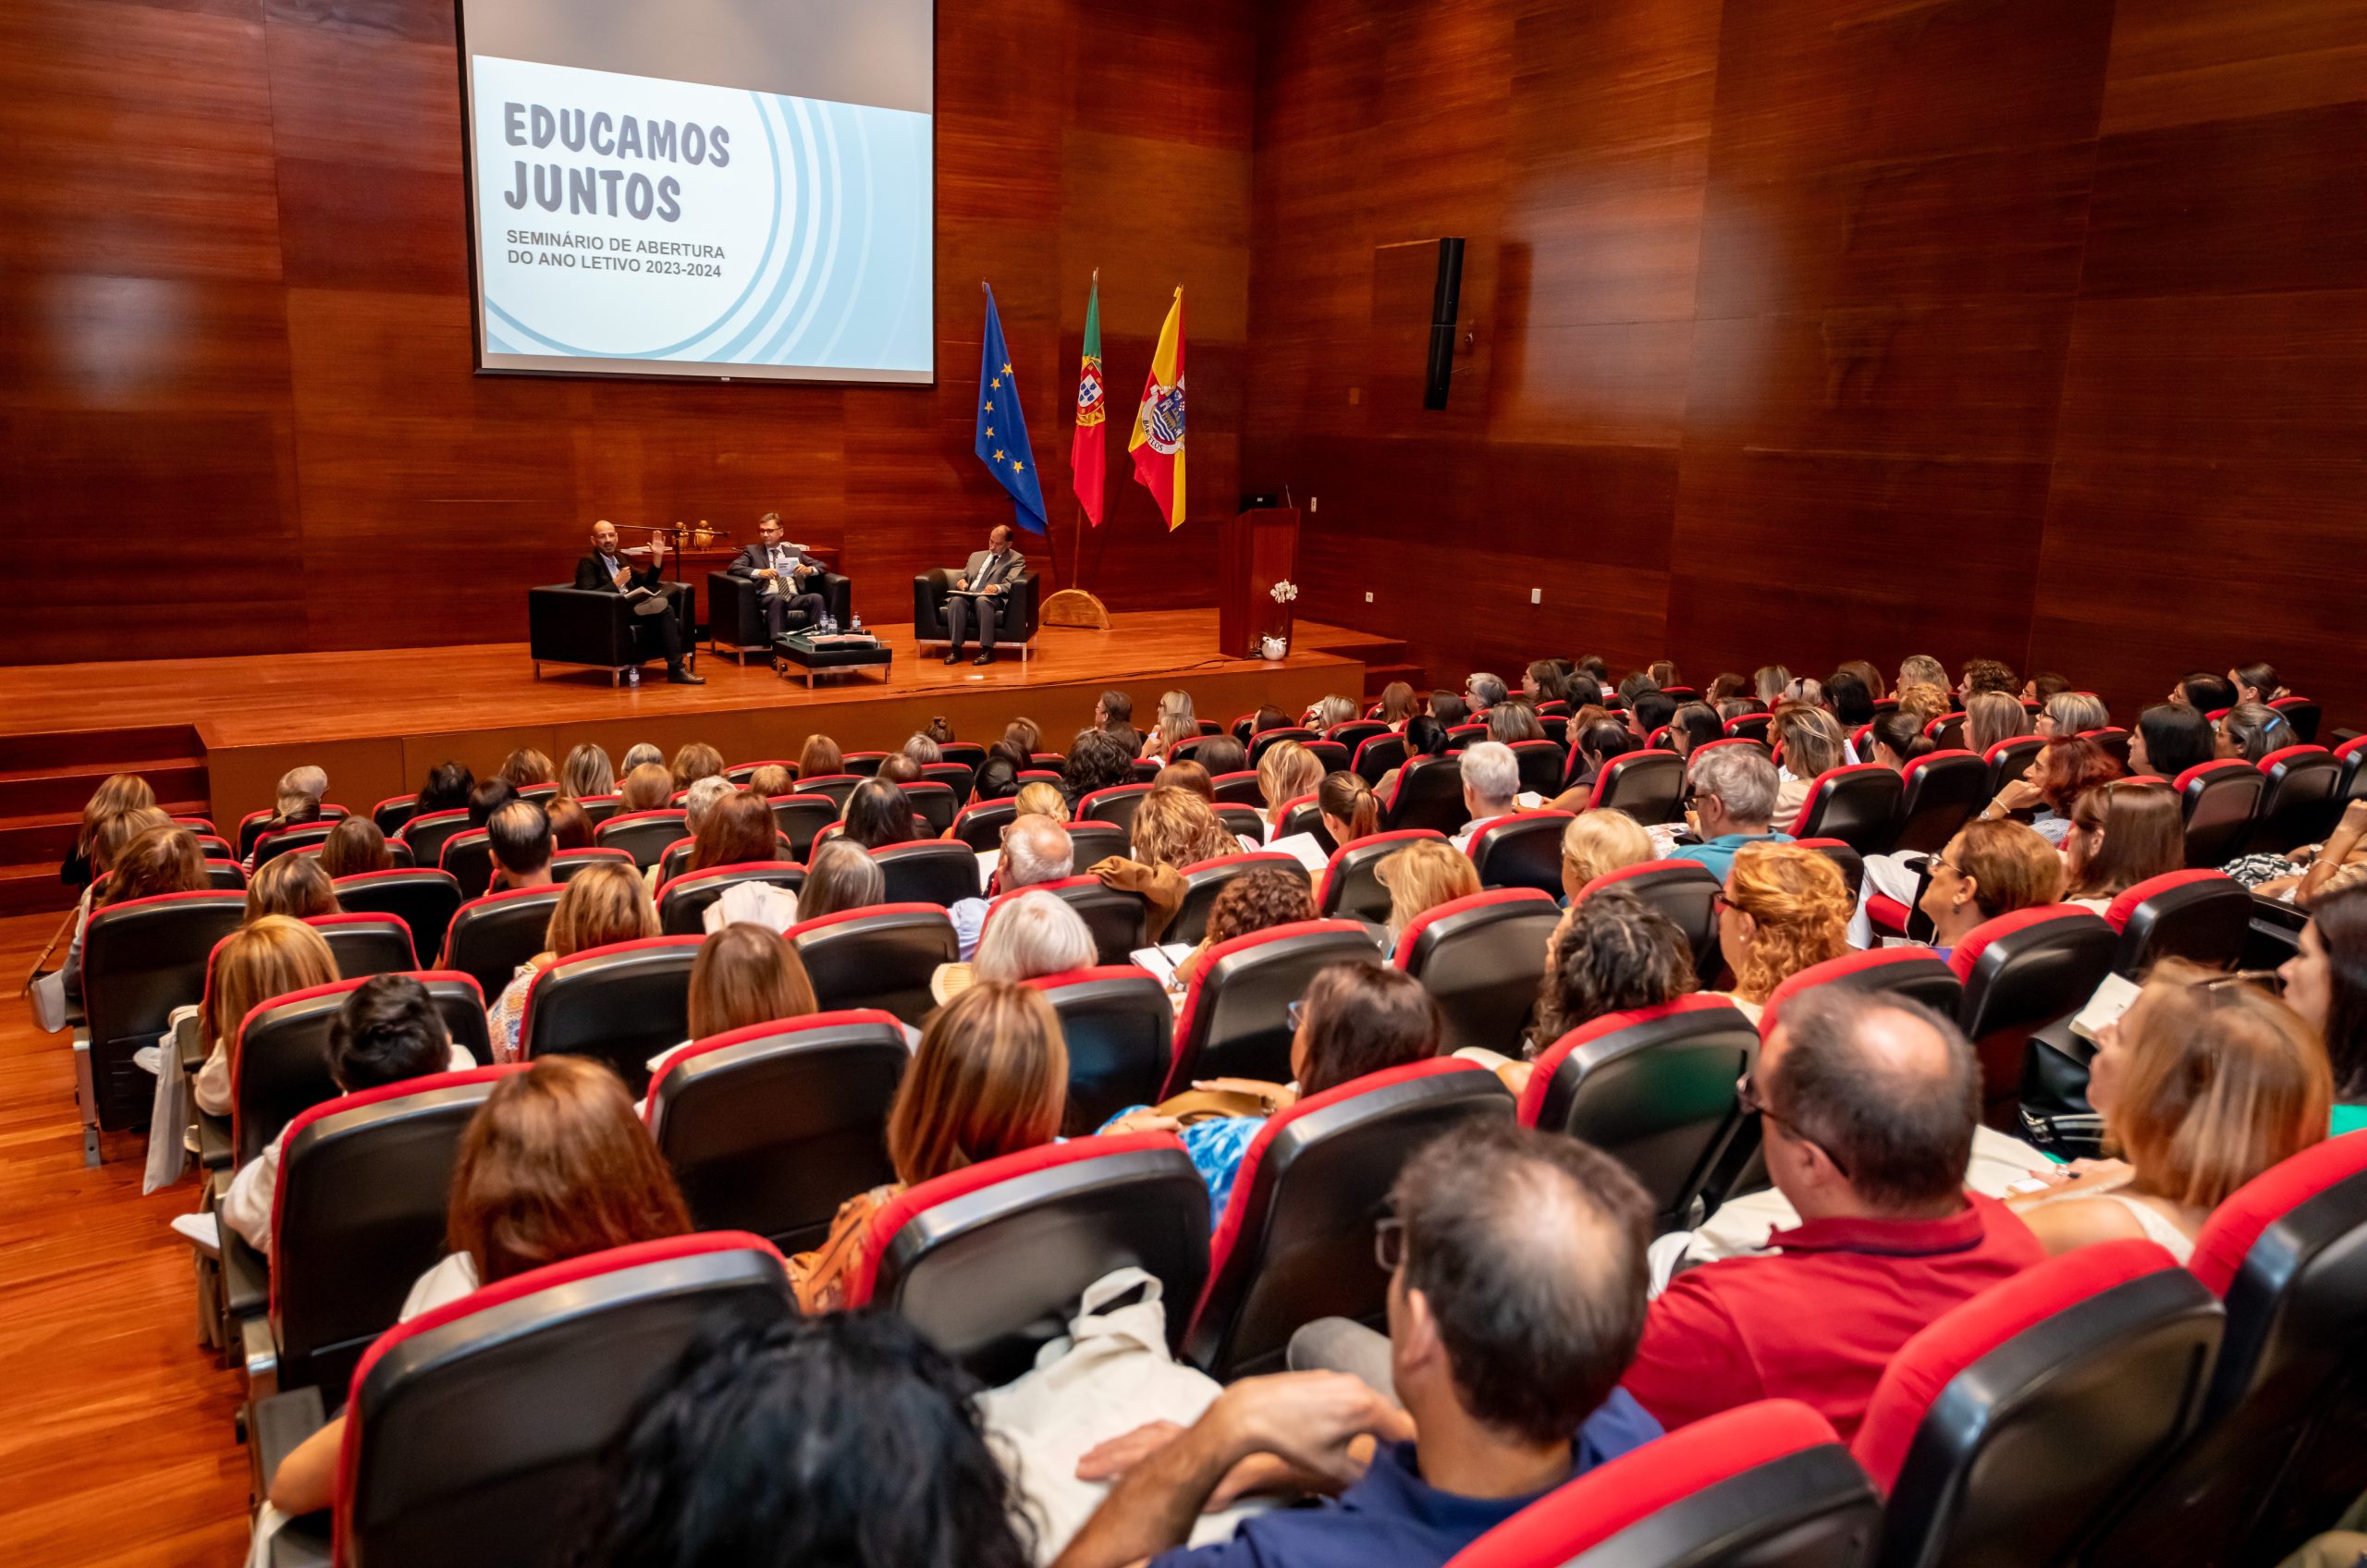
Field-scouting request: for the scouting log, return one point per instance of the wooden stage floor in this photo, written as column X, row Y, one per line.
column 378, row 719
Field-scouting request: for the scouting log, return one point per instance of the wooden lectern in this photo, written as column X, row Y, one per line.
column 1259, row 549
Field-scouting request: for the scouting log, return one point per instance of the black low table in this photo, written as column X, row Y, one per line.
column 813, row 654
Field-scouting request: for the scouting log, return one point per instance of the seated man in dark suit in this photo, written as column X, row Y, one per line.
column 983, row 581
column 659, row 632
column 784, row 570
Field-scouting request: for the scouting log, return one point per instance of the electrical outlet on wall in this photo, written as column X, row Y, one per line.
column 1537, row 595
column 1313, row 504
column 1367, row 596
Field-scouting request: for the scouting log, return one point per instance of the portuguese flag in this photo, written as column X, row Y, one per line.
column 1158, row 443
column 1087, row 473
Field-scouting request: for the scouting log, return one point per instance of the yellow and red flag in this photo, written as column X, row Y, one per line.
column 1158, row 443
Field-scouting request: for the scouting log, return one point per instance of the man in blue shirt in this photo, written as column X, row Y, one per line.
column 1515, row 1302
column 1733, row 799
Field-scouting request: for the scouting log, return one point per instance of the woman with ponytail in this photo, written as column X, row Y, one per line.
column 1350, row 809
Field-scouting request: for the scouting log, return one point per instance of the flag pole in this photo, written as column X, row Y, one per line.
column 1073, row 606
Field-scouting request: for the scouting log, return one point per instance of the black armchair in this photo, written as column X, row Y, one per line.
column 1014, row 625
column 735, row 611
column 591, row 626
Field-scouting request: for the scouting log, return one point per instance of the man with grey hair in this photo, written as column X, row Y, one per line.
column 1734, row 803
column 1490, row 783
column 1035, row 849
column 1866, row 1106
column 1483, row 691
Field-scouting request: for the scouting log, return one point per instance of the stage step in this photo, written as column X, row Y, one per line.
column 46, row 777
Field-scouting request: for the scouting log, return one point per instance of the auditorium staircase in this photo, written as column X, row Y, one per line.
column 44, row 779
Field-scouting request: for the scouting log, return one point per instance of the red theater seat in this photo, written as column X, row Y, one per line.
column 1116, row 806
column 932, row 871
column 989, row 1261
column 365, row 944
column 1482, row 958
column 1120, row 1028
column 1295, row 1241
column 879, row 957
column 1117, row 918
column 1761, row 1486
column 2021, row 973
column 770, row 1128
column 425, row 833
column 424, row 900
column 1857, row 804
column 1939, row 791
column 469, row 858
column 1428, row 794
column 1234, row 1020
column 979, row 824
column 1351, row 888
column 1917, row 973
column 1205, row 880
column 1648, row 786
column 645, row 834
column 2219, row 799
column 1522, row 851
column 2298, row 800
column 140, row 960
column 281, row 1065
column 1376, row 754
column 2011, row 758
column 2201, row 916
column 683, row 901
column 491, row 935
column 621, row 1004
column 1684, row 891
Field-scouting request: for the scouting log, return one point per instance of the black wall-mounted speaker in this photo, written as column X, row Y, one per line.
column 1445, row 299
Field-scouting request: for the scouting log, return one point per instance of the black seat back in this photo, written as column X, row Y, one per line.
column 424, row 900
column 1428, row 794
column 2298, row 801
column 1522, row 851
column 2203, row 916
column 469, row 857
column 140, row 960
column 426, row 834
column 932, row 871
column 1234, row 1020
column 1940, row 792
column 281, row 1066
column 1351, row 888
column 1205, row 880
column 645, row 834
column 980, row 825
column 879, row 957
column 1648, row 786
column 621, row 1004
column 1482, row 958
column 770, row 1128
column 1120, row 1027
column 491, row 935
column 2219, row 799
column 2021, row 973
column 367, row 944
column 683, row 903
column 1857, row 804
column 1684, row 891
column 1116, row 918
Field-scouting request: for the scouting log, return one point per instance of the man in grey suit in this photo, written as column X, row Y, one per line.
column 782, row 570
column 979, row 592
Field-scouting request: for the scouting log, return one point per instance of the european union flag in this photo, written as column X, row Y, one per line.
column 1003, row 429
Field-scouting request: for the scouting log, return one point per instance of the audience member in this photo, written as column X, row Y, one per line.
column 295, row 886
column 1221, row 754
column 600, row 905
column 117, row 793
column 899, row 769
column 1850, row 695
column 526, row 766
column 1925, row 701
column 1397, row 706
column 737, row 830
column 354, row 847
column 1171, row 731
column 2256, row 682
column 773, row 780
column 1600, row 841
column 2072, row 713
column 1490, row 783
column 1449, row 709
column 1483, row 691
column 1784, row 909
column 1595, row 743
column 2250, row 731
column 1287, row 772
column 2203, row 1083
column 820, row 758
column 2204, row 692
column 1650, row 712
column 1986, row 675
column 1612, row 952
column 1866, row 1104
column 295, row 809
column 1805, row 689
column 585, row 773
column 519, row 835
column 1693, row 724
column 1809, row 743
column 1896, row 738
column 1992, row 717
column 640, row 754
column 1921, row 670
column 1515, row 1299
column 2325, row 982
column 923, row 750
column 1040, row 799
column 746, row 974
column 570, row 825
column 2122, row 833
column 1114, row 711
column 1177, row 704
column 1425, row 736
column 997, row 779
column 136, row 853
column 1663, row 672
column 989, row 1078
column 1173, row 828
column 2312, row 873
column 878, row 812
column 2064, row 770
column 1187, row 775
column 1724, row 688
column 1512, row 721
column 1766, row 682
column 1349, row 809
column 694, row 760
column 1026, row 735
column 268, row 958
column 1989, row 868
column 1097, row 760
column 904, row 1481
column 1732, row 789
column 555, row 1165
column 646, row 788
column 2044, row 687
column 1253, row 901
column 1035, row 849
column 839, row 877
column 489, row 796
column 1030, row 935
column 1355, row 1019
column 445, row 788
column 1419, row 877
column 387, row 1031
column 1268, row 718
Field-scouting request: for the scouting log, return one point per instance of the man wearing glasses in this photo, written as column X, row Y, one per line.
column 1866, row 1107
column 1731, row 791
column 1515, row 1264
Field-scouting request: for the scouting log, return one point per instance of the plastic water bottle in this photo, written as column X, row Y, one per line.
column 857, row 627
column 632, row 675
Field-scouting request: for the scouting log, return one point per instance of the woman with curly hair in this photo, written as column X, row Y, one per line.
column 1173, row 828
column 1254, row 902
column 2066, row 769
column 1612, row 952
column 1784, row 909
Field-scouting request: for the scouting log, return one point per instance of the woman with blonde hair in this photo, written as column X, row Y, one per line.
column 1041, row 798
column 1173, row 828
column 1349, row 808
column 600, row 905
column 1988, row 869
column 526, row 767
column 296, row 884
column 989, row 1078
column 646, row 788
column 772, row 781
column 1421, row 877
column 1784, row 909
column 1331, row 710
column 555, row 1165
column 268, row 958
column 2122, row 833
column 1598, row 841
column 2072, row 713
column 586, row 772
column 353, row 848
column 746, row 974
column 1169, row 731
column 1992, row 717
column 1286, row 772
column 1808, row 742
column 2206, row 1082
column 1397, row 706
column 820, row 757
column 1925, row 701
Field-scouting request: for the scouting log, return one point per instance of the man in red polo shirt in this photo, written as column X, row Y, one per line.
column 1867, row 1105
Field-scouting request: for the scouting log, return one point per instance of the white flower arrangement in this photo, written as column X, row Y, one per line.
column 1285, row 591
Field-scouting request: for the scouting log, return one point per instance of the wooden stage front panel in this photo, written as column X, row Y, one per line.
column 378, row 720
